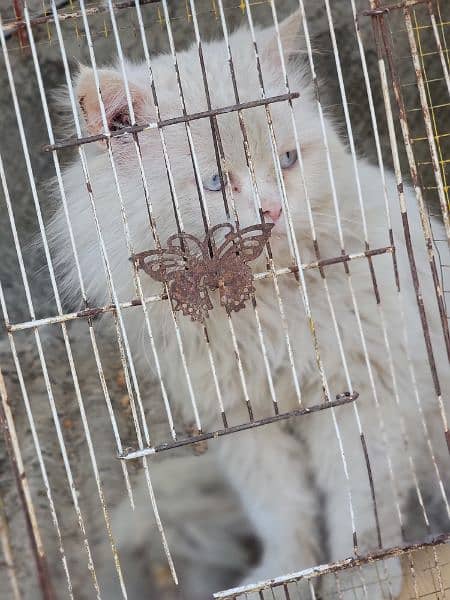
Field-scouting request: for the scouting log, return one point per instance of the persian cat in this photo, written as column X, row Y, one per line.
column 290, row 476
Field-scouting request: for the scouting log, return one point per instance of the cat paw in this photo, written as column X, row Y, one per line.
column 378, row 581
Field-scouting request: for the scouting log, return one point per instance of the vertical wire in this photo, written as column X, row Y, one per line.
column 444, row 37
column 379, row 302
column 193, row 154
column 17, row 466
column 380, row 310
column 215, row 131
column 111, row 288
column 124, row 334
column 77, row 262
column 338, row 586
column 423, row 99
column 435, row 127
column 8, row 415
column 152, row 224
column 206, row 218
column 398, row 175
column 257, row 201
column 427, row 120
column 68, row 221
column 73, row 489
column 30, row 417
column 302, row 284
column 8, row 553
column 268, row 253
column 174, row 197
column 178, row 334
column 69, row 350
column 401, row 196
column 180, row 226
column 120, row 329
column 439, row 45
column 331, row 307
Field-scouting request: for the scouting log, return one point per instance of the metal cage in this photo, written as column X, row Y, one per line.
column 62, row 382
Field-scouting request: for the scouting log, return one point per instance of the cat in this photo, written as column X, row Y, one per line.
column 279, row 471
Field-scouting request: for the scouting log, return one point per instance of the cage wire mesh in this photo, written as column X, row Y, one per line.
column 108, row 488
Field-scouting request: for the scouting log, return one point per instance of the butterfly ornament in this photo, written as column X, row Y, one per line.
column 191, row 268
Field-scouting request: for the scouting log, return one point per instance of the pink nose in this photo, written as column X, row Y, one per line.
column 272, row 211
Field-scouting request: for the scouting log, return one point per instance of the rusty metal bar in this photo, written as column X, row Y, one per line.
column 21, row 34
column 8, row 558
column 381, row 10
column 37, row 445
column 420, row 77
column 19, row 24
column 382, row 40
column 15, row 458
column 334, row 567
column 70, row 142
column 341, row 399
column 42, row 360
column 90, row 313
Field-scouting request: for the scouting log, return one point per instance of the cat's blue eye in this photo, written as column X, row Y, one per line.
column 288, row 159
column 213, row 183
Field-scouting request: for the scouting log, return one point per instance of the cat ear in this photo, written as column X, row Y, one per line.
column 291, row 38
column 114, row 97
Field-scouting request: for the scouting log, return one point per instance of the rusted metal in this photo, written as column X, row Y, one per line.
column 19, row 25
column 21, row 33
column 383, row 41
column 341, row 399
column 185, row 118
column 14, row 456
column 372, row 488
column 8, row 563
column 334, row 567
column 324, row 262
column 215, row 131
column 382, row 10
column 420, row 78
column 93, row 312
column 208, row 267
column 189, row 266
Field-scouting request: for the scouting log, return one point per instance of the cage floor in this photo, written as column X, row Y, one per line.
column 426, row 581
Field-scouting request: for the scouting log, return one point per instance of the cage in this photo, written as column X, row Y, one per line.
column 224, row 293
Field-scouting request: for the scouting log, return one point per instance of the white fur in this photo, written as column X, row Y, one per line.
column 277, row 471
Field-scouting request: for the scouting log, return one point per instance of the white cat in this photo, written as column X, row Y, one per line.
column 279, row 471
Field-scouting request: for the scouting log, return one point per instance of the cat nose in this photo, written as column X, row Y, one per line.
column 271, row 211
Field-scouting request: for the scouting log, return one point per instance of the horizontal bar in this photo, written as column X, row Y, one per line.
column 90, row 313
column 69, row 142
column 299, row 412
column 374, row 12
column 9, row 28
column 319, row 570
column 326, row 262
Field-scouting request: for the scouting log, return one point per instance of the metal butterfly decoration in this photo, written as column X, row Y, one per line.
column 190, row 267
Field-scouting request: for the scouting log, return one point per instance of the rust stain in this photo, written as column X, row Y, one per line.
column 67, row 423
column 198, row 447
column 120, row 379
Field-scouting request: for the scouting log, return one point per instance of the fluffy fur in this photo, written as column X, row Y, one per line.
column 279, row 471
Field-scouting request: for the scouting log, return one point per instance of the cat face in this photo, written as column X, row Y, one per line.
column 180, row 167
